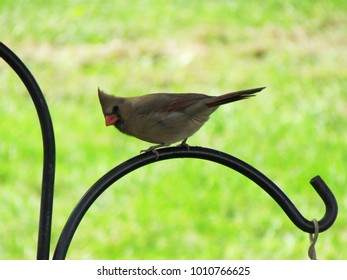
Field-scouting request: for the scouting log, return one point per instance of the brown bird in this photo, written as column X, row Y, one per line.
column 164, row 118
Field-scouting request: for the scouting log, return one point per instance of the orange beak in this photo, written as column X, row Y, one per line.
column 110, row 119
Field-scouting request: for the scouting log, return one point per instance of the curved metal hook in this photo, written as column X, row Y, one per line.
column 48, row 172
column 201, row 153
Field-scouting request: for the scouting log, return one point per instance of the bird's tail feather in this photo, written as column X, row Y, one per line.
column 233, row 96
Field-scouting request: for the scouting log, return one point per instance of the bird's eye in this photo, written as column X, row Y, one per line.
column 115, row 110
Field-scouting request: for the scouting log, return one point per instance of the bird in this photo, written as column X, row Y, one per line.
column 164, row 118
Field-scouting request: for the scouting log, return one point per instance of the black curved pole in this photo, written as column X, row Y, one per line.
column 201, row 153
column 45, row 222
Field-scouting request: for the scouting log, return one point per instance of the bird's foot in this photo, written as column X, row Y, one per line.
column 184, row 144
column 153, row 149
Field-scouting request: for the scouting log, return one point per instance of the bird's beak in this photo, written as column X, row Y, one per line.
column 110, row 119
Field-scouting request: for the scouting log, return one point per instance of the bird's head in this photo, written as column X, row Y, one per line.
column 110, row 107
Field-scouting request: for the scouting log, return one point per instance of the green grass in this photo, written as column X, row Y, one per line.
column 179, row 209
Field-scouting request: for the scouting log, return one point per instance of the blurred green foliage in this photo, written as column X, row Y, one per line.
column 181, row 209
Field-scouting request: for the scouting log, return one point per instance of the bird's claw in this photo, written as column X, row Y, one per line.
column 184, row 144
column 153, row 150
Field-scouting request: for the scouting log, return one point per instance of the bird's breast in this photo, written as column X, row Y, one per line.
column 162, row 128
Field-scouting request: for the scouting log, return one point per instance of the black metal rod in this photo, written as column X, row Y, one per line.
column 45, row 220
column 206, row 154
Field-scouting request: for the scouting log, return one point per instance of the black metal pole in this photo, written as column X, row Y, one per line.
column 201, row 153
column 45, row 222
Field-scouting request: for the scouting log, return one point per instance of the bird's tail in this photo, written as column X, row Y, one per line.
column 233, row 96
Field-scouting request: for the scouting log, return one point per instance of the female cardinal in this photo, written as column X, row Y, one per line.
column 164, row 118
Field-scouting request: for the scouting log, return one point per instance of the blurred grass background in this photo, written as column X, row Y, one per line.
column 179, row 209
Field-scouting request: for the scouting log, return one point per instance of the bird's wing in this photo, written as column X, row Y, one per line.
column 181, row 101
column 166, row 102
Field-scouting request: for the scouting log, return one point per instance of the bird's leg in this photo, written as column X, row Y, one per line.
column 184, row 144
column 153, row 149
